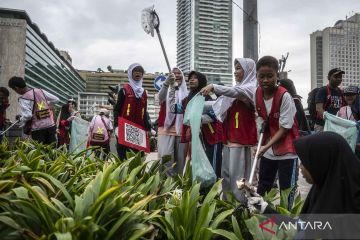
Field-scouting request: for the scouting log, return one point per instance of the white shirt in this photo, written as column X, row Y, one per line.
column 286, row 120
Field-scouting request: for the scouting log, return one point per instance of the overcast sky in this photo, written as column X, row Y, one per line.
column 108, row 32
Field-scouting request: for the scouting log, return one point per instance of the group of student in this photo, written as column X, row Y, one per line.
column 230, row 121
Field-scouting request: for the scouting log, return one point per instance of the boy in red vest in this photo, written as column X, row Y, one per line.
column 37, row 115
column 276, row 106
column 132, row 105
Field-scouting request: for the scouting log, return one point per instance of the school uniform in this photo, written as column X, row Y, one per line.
column 170, row 126
column 281, row 158
column 235, row 108
column 133, row 109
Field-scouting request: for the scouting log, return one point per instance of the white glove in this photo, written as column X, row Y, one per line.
column 153, row 132
column 170, row 80
column 116, row 132
column 22, row 122
column 256, row 204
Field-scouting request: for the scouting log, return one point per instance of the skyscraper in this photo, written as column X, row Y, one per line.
column 337, row 46
column 204, row 38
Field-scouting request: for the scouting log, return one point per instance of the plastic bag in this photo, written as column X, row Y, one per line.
column 346, row 128
column 202, row 170
column 79, row 135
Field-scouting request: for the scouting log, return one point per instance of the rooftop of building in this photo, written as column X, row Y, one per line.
column 22, row 14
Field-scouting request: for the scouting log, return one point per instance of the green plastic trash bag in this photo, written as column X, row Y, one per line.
column 202, row 171
column 346, row 128
column 79, row 134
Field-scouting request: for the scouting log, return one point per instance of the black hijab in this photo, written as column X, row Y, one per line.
column 335, row 171
column 202, row 83
column 65, row 114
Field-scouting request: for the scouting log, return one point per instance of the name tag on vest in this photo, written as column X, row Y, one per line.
column 41, row 114
column 98, row 136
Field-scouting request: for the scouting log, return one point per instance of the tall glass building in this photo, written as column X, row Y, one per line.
column 204, row 38
column 26, row 52
column 337, row 46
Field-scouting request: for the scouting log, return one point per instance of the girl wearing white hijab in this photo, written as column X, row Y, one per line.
column 132, row 104
column 170, row 124
column 235, row 108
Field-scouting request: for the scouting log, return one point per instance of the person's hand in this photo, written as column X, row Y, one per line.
column 170, row 80
column 70, row 118
column 116, row 132
column 57, row 131
column 207, row 90
column 7, row 121
column 262, row 150
column 256, row 204
column 153, row 132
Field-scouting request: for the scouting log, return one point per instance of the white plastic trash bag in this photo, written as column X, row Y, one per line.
column 202, row 170
column 346, row 128
column 79, row 134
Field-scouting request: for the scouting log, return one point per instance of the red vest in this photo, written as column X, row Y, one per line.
column 285, row 144
column 162, row 114
column 240, row 125
column 212, row 132
column 133, row 109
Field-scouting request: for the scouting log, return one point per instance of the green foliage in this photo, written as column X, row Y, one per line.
column 48, row 193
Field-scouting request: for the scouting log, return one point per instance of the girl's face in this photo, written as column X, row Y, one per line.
column 267, row 78
column 306, row 174
column 137, row 74
column 71, row 107
column 193, row 82
column 239, row 72
column 350, row 98
column 178, row 76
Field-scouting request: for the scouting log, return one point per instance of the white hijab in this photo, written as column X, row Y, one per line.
column 135, row 85
column 179, row 96
column 247, row 86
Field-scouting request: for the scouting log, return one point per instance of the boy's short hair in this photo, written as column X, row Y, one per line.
column 4, row 91
column 17, row 82
column 268, row 61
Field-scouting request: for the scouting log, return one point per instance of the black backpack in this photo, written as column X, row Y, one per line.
column 311, row 103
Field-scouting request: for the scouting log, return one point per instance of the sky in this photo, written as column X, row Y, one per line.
column 108, row 32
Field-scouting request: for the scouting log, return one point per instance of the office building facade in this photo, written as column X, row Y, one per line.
column 204, row 38
column 337, row 46
column 26, row 52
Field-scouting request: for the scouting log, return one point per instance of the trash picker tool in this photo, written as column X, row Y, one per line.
column 11, row 126
column 150, row 21
column 242, row 184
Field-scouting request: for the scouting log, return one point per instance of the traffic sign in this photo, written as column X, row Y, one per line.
column 158, row 82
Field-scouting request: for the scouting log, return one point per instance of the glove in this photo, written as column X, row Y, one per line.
column 116, row 132
column 170, row 80
column 153, row 132
column 256, row 204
